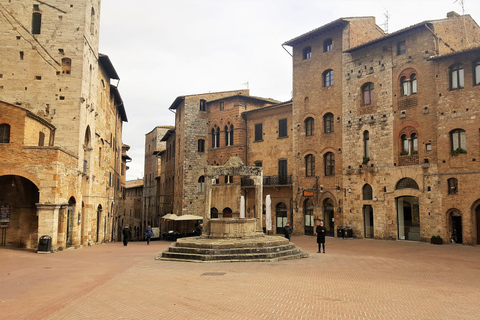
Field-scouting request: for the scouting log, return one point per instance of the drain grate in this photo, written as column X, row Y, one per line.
column 213, row 274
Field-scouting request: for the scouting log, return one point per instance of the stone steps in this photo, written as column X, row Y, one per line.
column 200, row 250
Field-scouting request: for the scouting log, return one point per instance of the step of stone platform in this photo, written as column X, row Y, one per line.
column 262, row 249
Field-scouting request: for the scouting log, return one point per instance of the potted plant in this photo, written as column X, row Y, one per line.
column 436, row 240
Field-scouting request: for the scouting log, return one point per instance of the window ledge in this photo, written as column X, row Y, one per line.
column 282, row 137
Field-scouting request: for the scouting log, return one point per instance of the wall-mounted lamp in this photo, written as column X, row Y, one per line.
column 349, row 190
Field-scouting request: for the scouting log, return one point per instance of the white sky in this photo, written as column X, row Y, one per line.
column 164, row 49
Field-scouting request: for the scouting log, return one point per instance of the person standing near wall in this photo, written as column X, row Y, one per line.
column 148, row 234
column 127, row 235
column 287, row 231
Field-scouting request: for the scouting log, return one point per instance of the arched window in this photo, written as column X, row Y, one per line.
column 327, row 45
column 213, row 138
column 458, row 141
column 456, row 77
column 328, row 123
column 4, row 133
column 406, row 183
column 367, row 192
column 309, row 165
column 231, row 134
column 452, row 186
column 213, row 213
column 408, row 85
column 217, row 137
column 201, row 184
column 328, row 78
column 329, row 160
column 306, row 102
column 414, row 143
column 366, row 144
column 367, row 94
column 307, row 53
column 405, row 149
column 309, row 126
column 227, row 140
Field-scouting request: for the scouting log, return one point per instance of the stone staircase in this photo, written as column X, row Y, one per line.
column 264, row 249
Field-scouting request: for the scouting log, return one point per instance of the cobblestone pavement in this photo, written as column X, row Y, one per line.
column 355, row 279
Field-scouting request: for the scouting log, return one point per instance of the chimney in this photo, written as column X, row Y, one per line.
column 452, row 14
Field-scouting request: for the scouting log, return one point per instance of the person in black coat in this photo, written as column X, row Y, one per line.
column 321, row 230
column 287, row 231
column 127, row 235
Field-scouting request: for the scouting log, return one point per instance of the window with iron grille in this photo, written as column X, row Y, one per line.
column 258, row 132
column 406, row 183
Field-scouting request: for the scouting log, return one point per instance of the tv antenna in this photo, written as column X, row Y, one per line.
column 385, row 24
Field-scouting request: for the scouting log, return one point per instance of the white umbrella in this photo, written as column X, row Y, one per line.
column 269, row 212
column 242, row 207
column 188, row 217
column 170, row 216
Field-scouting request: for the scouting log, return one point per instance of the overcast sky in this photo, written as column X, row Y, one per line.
column 164, row 49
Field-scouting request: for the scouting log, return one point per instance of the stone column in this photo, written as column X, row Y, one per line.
column 48, row 221
column 208, row 205
column 259, row 201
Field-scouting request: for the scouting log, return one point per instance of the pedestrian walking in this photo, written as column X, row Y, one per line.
column 321, row 230
column 127, row 235
column 287, row 231
column 199, row 229
column 148, row 234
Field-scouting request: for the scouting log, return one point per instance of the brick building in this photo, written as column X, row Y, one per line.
column 133, row 208
column 62, row 160
column 382, row 135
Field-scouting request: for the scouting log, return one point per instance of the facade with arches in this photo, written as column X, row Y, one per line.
column 63, row 160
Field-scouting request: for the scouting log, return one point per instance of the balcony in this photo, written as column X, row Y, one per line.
column 271, row 181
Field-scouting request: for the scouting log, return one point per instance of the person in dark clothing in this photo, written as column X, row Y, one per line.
column 199, row 229
column 148, row 234
column 287, row 231
column 127, row 235
column 321, row 230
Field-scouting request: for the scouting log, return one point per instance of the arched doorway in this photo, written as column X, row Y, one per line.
column 281, row 214
column 368, row 221
column 70, row 220
column 18, row 212
column 308, row 211
column 329, row 217
column 456, row 230
column 227, row 213
column 408, row 217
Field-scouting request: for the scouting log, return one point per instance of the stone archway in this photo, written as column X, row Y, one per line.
column 18, row 220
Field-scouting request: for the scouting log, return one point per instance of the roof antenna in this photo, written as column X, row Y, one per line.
column 462, row 4
column 385, row 24
column 246, row 84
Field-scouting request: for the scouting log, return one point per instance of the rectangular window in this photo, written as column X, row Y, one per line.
column 222, row 106
column 201, row 145
column 282, row 128
column 203, row 105
column 401, row 48
column 36, row 22
column 258, row 132
column 258, row 163
column 41, row 139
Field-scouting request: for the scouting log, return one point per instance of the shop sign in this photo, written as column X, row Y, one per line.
column 4, row 216
column 307, row 193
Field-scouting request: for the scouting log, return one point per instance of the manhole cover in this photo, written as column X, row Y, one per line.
column 213, row 273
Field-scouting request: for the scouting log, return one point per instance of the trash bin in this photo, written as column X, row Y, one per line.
column 44, row 244
column 339, row 232
column 347, row 232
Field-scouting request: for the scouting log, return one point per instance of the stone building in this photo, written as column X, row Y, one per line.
column 61, row 126
column 133, row 208
column 153, row 146
column 404, row 111
column 382, row 135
